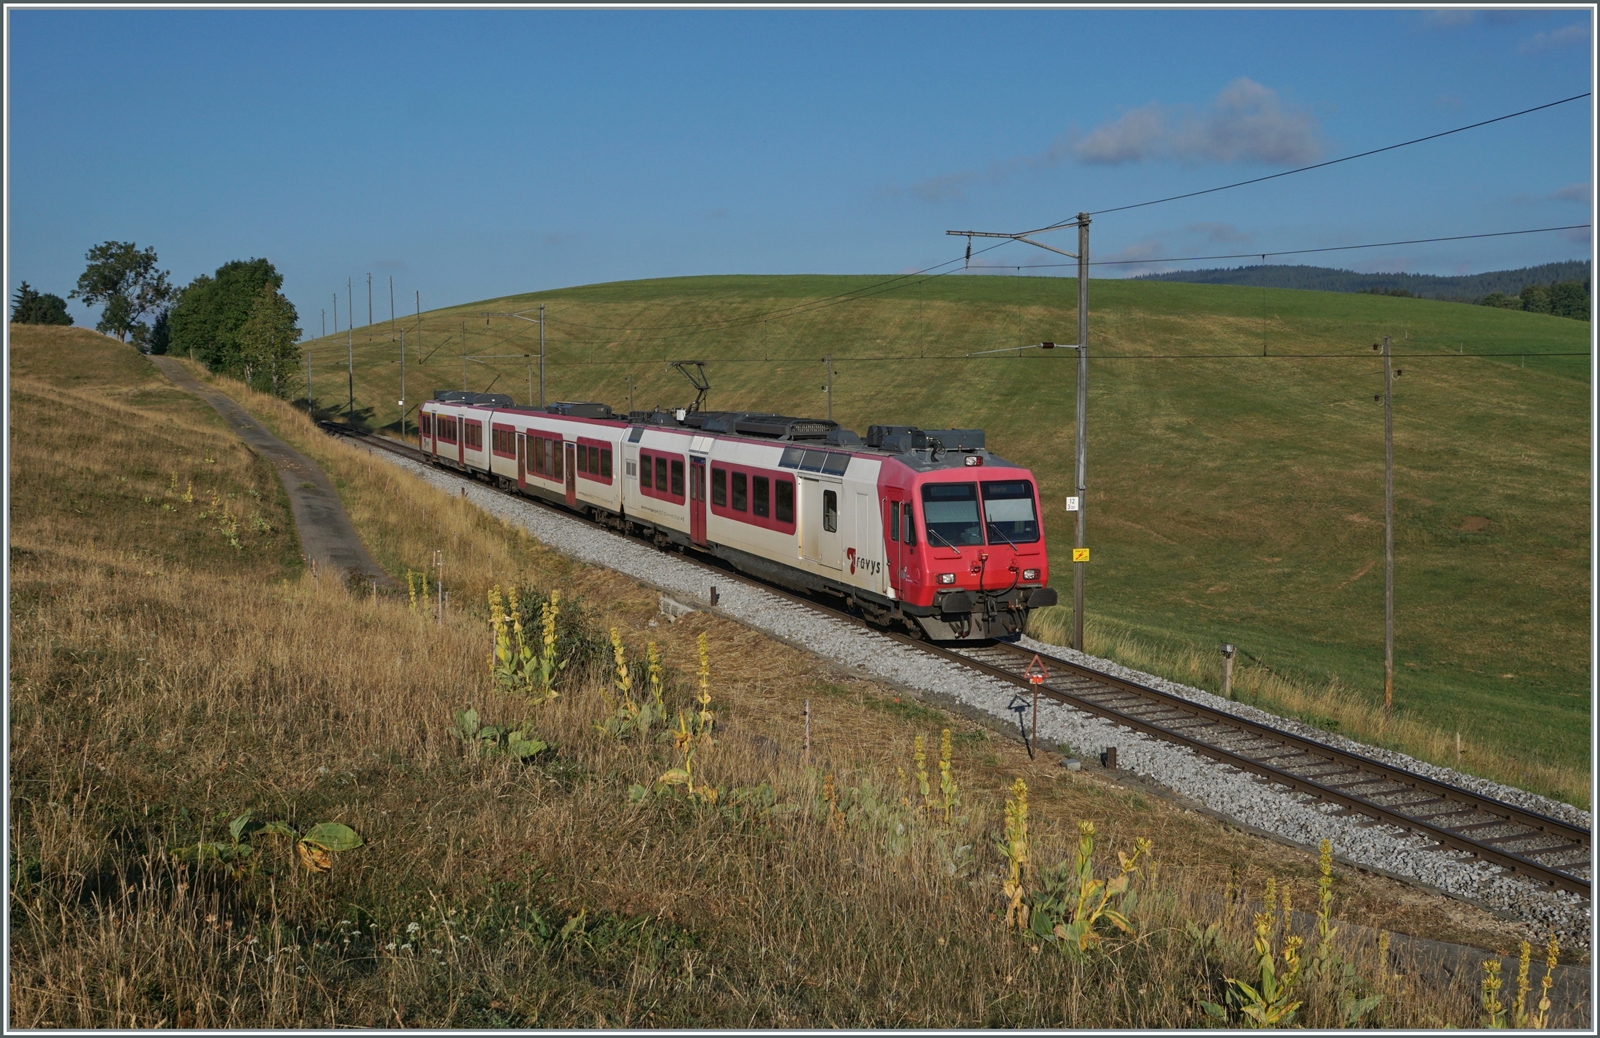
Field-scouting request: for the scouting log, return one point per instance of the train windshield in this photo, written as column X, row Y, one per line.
column 1008, row 510
column 950, row 514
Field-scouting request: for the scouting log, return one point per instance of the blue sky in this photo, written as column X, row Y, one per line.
column 470, row 154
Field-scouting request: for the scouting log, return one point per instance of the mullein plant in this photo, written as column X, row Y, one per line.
column 693, row 734
column 514, row 663
column 1269, row 1002
column 949, row 792
column 1014, row 848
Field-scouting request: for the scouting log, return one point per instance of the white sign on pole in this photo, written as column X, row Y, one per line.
column 1072, row 504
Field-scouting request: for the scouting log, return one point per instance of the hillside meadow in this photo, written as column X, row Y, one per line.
column 1235, row 465
column 190, row 706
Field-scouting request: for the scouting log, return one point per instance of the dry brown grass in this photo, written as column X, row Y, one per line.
column 1333, row 707
column 155, row 697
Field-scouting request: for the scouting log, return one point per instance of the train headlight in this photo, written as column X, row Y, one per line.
column 973, row 459
column 1030, row 574
column 947, row 578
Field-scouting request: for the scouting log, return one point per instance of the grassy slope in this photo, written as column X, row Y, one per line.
column 163, row 681
column 1232, row 497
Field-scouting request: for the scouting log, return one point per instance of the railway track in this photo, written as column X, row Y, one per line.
column 1543, row 849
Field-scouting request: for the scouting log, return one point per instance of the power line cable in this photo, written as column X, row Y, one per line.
column 1317, row 165
column 1298, row 252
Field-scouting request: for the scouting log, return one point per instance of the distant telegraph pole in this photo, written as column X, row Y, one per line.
column 350, row 346
column 1080, row 551
column 523, row 316
column 324, row 324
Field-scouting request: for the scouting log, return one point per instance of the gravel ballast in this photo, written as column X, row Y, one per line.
column 1219, row 788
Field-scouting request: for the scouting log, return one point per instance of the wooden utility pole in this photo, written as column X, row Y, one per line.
column 1080, row 552
column 828, row 363
column 350, row 344
column 1388, row 531
column 402, row 383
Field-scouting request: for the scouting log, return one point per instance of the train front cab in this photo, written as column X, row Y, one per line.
column 965, row 550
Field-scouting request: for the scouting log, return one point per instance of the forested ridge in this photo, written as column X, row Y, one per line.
column 1469, row 288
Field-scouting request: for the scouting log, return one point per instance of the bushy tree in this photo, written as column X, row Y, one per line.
column 1536, row 299
column 160, row 333
column 212, row 309
column 30, row 306
column 124, row 280
column 1570, row 299
column 1501, row 300
column 268, row 343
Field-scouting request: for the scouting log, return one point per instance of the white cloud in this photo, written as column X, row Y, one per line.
column 1566, row 36
column 1132, row 138
column 1246, row 122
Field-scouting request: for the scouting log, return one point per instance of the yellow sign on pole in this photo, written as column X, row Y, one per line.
column 1080, row 554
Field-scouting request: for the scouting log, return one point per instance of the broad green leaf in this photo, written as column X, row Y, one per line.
column 236, row 827
column 637, row 793
column 332, row 836
column 277, row 829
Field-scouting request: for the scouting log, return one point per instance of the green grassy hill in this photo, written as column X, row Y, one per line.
column 1233, row 496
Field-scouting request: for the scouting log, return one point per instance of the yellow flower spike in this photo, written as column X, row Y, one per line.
column 920, row 757
column 1016, row 850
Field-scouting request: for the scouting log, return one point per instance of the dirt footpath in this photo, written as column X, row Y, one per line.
column 326, row 537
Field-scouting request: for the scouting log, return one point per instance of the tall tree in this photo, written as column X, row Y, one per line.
column 125, row 281
column 268, row 343
column 30, row 306
column 206, row 319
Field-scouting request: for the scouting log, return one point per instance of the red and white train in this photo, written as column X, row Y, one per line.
column 921, row 528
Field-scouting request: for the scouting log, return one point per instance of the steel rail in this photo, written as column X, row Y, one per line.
column 1504, row 814
column 1498, row 812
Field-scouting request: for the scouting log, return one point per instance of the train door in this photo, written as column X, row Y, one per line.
column 697, row 500
column 829, row 549
column 461, row 440
column 809, row 492
column 522, row 461
column 572, row 473
column 893, row 504
column 861, row 537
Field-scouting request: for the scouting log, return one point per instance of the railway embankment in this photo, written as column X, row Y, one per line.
column 1219, row 788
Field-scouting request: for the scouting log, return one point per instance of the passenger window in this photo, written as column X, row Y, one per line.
column 830, row 511
column 605, row 462
column 741, row 492
column 594, row 461
column 894, row 520
column 910, row 527
column 760, row 501
column 661, row 474
column 644, row 471
column 785, row 490
column 582, row 459
column 719, row 487
column 555, row 458
column 677, row 478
